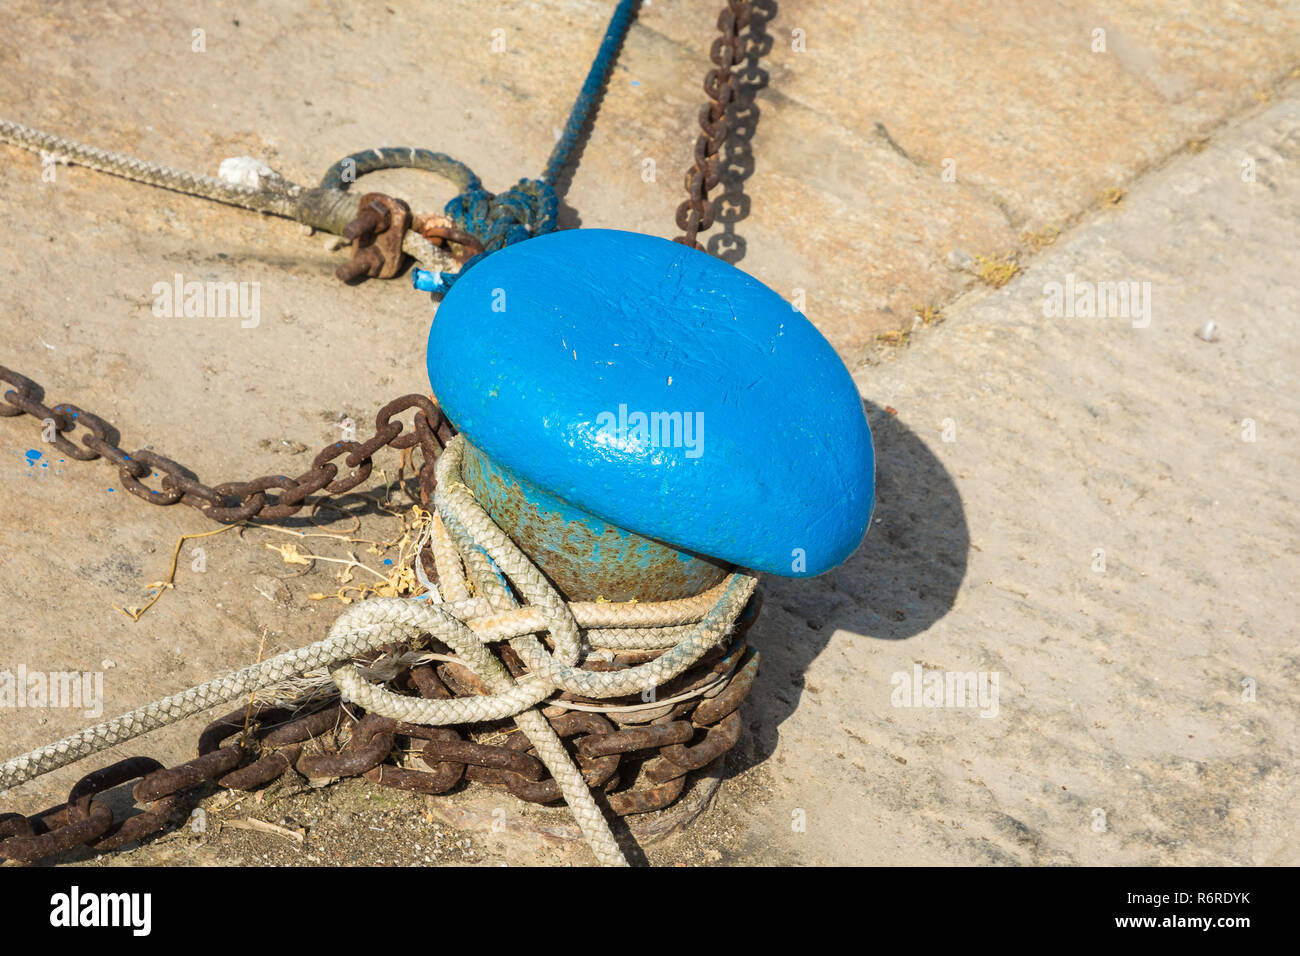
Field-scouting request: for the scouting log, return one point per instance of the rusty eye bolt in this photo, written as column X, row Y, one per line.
column 376, row 235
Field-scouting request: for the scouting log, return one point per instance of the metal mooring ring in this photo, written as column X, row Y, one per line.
column 346, row 171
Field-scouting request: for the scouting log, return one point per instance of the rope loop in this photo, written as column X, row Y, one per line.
column 481, row 570
column 348, row 169
column 529, row 208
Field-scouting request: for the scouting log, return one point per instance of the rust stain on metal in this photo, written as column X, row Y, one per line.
column 584, row 557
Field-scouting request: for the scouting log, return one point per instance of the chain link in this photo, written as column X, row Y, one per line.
column 721, row 85
column 234, row 501
column 634, row 768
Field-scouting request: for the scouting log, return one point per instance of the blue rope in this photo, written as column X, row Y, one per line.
column 590, row 91
column 530, row 208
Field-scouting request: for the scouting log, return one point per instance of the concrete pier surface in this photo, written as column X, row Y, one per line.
column 1087, row 508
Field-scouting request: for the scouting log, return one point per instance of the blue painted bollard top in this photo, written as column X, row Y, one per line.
column 663, row 391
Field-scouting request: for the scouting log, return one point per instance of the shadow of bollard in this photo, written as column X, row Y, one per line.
column 903, row 579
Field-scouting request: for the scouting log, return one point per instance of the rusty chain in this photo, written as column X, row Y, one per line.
column 234, row 501
column 721, row 85
column 633, row 767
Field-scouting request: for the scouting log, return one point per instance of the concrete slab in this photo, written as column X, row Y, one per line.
column 1072, row 435
column 1127, row 491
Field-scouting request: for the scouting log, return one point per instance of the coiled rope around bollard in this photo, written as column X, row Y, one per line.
column 686, row 629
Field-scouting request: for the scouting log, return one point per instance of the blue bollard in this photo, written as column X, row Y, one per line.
column 642, row 417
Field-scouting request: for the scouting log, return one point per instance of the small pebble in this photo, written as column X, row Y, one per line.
column 960, row 260
column 1208, row 333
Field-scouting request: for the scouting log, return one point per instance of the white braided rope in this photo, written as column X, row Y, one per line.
column 345, row 641
column 274, row 194
column 465, row 538
column 278, row 199
column 463, row 534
